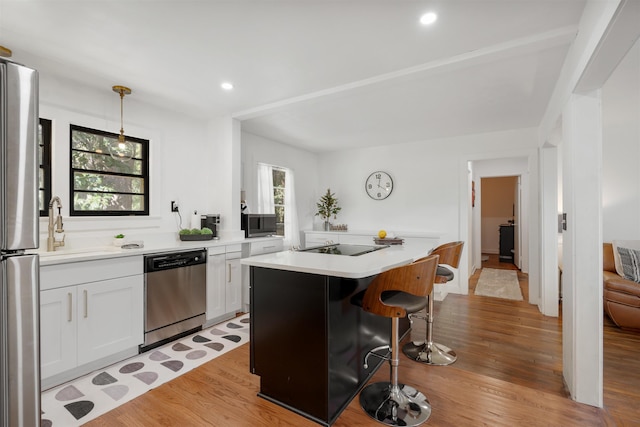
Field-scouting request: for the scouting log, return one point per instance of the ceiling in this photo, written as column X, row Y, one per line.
column 318, row 74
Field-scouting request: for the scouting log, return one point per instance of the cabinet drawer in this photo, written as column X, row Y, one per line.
column 59, row 275
column 266, row 247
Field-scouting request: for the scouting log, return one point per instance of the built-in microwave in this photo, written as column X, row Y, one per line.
column 259, row 225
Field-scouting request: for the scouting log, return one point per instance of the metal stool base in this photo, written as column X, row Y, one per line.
column 430, row 353
column 405, row 406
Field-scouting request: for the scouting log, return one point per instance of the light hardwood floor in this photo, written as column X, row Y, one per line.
column 508, row 373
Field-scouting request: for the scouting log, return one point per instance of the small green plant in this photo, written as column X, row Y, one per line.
column 206, row 230
column 328, row 206
column 196, row 231
column 119, row 236
column 184, row 232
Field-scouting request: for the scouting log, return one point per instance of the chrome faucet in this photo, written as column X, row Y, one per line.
column 52, row 243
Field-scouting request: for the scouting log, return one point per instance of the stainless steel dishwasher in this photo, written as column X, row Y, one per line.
column 175, row 296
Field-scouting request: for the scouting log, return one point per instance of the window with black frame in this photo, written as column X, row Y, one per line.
column 279, row 183
column 44, row 158
column 102, row 183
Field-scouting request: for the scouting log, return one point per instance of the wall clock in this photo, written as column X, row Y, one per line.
column 379, row 185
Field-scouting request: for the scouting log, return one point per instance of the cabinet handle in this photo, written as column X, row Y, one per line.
column 86, row 304
column 70, row 312
column 229, row 280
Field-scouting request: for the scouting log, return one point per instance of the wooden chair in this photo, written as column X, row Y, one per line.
column 429, row 352
column 394, row 293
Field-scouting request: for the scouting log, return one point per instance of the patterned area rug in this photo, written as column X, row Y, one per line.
column 499, row 284
column 78, row 402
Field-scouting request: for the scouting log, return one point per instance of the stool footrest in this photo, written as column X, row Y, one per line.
column 386, row 356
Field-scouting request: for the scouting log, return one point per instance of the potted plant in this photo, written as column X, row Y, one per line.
column 328, row 207
column 118, row 240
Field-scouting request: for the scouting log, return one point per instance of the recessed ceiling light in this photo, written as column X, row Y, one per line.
column 428, row 18
column 226, row 86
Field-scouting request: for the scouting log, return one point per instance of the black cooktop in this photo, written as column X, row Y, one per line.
column 343, row 249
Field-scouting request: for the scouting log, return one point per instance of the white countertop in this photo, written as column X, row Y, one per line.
column 64, row 255
column 353, row 267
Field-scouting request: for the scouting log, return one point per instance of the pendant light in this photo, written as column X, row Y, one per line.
column 5, row 52
column 123, row 149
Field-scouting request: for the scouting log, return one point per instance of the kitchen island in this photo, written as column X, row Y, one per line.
column 308, row 338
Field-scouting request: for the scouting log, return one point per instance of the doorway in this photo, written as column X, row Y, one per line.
column 499, row 220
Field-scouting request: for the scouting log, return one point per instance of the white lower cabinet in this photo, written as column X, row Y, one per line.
column 259, row 247
column 233, row 283
column 110, row 317
column 58, row 331
column 86, row 326
column 224, row 283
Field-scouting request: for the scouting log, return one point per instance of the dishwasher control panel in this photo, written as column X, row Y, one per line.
column 161, row 262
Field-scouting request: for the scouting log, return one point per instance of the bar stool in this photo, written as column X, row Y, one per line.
column 394, row 293
column 429, row 352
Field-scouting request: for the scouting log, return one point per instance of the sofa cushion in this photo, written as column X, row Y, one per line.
column 629, row 244
column 630, row 261
column 615, row 283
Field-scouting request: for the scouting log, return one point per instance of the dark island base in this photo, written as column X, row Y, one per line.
column 308, row 340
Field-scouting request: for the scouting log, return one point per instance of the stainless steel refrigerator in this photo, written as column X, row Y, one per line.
column 19, row 297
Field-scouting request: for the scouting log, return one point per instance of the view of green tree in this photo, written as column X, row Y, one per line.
column 279, row 176
column 103, row 183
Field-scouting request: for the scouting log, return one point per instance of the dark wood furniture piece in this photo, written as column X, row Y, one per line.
column 506, row 243
column 308, row 340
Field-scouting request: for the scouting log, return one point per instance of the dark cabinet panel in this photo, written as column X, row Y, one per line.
column 506, row 243
column 308, row 340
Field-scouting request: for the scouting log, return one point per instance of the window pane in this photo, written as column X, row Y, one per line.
column 105, row 163
column 278, row 196
column 278, row 177
column 107, row 183
column 107, row 202
column 44, row 159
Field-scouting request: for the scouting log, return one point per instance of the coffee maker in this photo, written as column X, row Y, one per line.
column 211, row 221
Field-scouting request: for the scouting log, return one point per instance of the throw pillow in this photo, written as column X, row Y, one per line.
column 630, row 260
column 629, row 244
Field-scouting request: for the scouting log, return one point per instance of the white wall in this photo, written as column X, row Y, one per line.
column 178, row 171
column 621, row 150
column 428, row 190
column 304, row 164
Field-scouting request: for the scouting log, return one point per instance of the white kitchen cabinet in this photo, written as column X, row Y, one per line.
column 233, row 283
column 110, row 317
column 216, row 292
column 86, row 326
column 58, row 326
column 224, row 283
column 319, row 238
column 257, row 247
